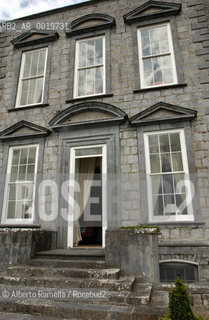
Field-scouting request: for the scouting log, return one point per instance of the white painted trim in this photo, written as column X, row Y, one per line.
column 75, row 93
column 171, row 53
column 104, row 189
column 18, row 98
column 179, row 261
column 5, row 201
column 176, row 218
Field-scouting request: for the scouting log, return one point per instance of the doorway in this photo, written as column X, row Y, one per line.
column 88, row 221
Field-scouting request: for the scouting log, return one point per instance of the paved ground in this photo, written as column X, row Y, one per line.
column 19, row 316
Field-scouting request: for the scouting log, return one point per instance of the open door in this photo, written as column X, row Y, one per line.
column 87, row 223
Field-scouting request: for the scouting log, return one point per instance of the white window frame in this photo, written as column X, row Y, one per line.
column 171, row 53
column 75, row 94
column 71, row 202
column 167, row 218
column 25, row 221
column 20, row 81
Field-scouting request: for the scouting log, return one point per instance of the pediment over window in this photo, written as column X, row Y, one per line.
column 89, row 23
column 91, row 113
column 23, row 129
column 152, row 9
column 34, row 37
column 163, row 112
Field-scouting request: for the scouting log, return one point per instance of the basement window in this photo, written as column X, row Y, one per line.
column 169, row 271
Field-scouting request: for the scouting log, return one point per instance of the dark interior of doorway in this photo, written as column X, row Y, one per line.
column 91, row 232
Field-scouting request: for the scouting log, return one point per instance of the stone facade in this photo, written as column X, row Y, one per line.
column 192, row 39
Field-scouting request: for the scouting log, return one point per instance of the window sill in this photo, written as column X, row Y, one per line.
column 29, row 107
column 179, row 224
column 107, row 95
column 170, row 86
column 17, row 226
column 183, row 243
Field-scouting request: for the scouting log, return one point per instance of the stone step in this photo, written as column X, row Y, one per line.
column 79, row 311
column 123, row 284
column 160, row 298
column 59, row 263
column 73, row 254
column 81, row 295
column 19, row 316
column 63, row 272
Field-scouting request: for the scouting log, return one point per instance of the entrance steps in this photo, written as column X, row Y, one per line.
column 74, row 284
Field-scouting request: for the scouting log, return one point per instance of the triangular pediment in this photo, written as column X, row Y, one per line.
column 23, row 129
column 163, row 112
column 89, row 23
column 34, row 37
column 152, row 9
column 91, row 113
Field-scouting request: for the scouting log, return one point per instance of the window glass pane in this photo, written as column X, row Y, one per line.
column 155, row 163
column 99, row 51
column 164, row 143
column 148, row 79
column 82, row 54
column 147, row 65
column 167, row 69
column 24, row 95
column 31, row 93
column 11, row 210
column 166, row 162
column 20, row 208
column 99, row 80
column 155, row 47
column 155, row 44
column 12, row 191
column 167, row 76
column 163, row 37
column 15, row 156
column 88, row 151
column 41, row 64
column 179, row 183
column 22, row 172
column 177, row 161
column 30, row 172
column 170, row 206
column 181, row 204
column 175, row 142
column 90, row 76
column 89, row 87
column 25, row 85
column 38, row 96
column 145, row 38
column 187, row 272
column 13, row 175
column 156, row 184
column 32, row 87
column 158, row 205
column 99, row 86
column 34, row 64
column 170, row 273
column 153, row 144
column 20, row 191
column 158, row 74
column 32, row 155
column 23, row 155
column 27, row 66
column 23, row 100
column 168, row 183
column 81, row 82
column 90, row 52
